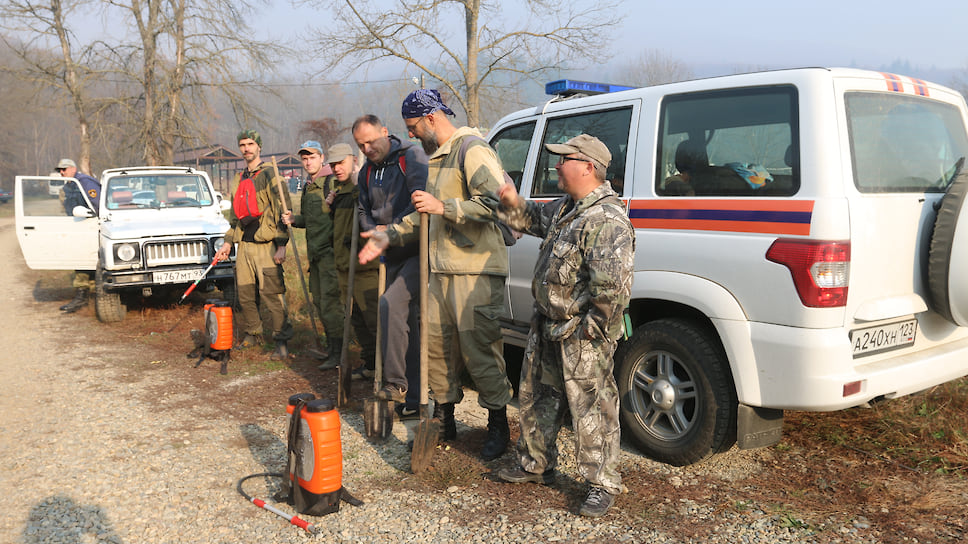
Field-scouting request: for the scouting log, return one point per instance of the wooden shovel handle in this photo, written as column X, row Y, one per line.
column 424, row 287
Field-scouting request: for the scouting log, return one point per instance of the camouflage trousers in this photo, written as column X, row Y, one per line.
column 259, row 278
column 575, row 372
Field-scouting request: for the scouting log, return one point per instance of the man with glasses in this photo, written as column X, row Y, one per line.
column 582, row 284
column 468, row 264
column 82, row 280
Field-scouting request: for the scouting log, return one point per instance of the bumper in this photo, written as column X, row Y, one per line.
column 807, row 369
column 124, row 279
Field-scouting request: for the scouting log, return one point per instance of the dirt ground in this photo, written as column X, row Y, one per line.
column 811, row 486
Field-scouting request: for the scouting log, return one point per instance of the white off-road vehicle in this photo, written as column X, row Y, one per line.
column 156, row 232
column 801, row 244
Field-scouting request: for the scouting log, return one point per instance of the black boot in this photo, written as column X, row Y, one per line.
column 79, row 301
column 281, row 352
column 448, row 425
column 498, row 434
column 335, row 350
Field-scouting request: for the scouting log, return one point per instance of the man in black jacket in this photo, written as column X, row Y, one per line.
column 393, row 170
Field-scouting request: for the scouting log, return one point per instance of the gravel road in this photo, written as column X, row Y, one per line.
column 97, row 445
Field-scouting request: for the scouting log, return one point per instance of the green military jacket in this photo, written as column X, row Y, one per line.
column 465, row 240
column 315, row 218
column 344, row 213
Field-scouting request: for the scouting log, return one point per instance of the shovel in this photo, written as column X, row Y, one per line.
column 377, row 419
column 428, row 430
column 345, row 378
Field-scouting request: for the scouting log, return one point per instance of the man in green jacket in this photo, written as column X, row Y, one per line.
column 343, row 205
column 315, row 218
column 468, row 263
column 261, row 237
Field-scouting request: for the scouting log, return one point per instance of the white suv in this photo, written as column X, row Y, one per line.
column 790, row 253
column 156, row 232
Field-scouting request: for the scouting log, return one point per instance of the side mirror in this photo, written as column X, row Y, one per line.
column 82, row 211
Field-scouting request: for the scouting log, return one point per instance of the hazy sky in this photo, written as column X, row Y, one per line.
column 771, row 33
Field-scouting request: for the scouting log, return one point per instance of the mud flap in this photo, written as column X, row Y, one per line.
column 758, row 427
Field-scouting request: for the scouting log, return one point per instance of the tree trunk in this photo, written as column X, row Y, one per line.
column 472, row 11
column 74, row 86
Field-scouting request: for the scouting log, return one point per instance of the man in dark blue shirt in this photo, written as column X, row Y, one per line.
column 83, row 279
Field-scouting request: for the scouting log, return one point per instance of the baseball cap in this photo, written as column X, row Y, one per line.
column 587, row 145
column 65, row 163
column 337, row 152
column 311, row 145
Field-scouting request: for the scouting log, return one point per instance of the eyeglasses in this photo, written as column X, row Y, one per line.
column 563, row 159
column 60, row 169
column 411, row 128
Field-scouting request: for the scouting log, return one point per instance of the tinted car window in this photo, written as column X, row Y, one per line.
column 609, row 126
column 512, row 146
column 740, row 142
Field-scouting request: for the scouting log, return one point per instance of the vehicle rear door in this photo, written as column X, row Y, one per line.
column 49, row 238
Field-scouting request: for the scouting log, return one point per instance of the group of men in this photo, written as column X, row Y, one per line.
column 582, row 281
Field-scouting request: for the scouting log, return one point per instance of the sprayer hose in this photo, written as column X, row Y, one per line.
column 250, row 476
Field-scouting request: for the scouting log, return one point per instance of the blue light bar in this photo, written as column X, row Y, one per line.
column 567, row 87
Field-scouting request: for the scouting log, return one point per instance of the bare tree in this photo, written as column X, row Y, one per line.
column 550, row 33
column 43, row 24
column 327, row 130
column 652, row 67
column 186, row 52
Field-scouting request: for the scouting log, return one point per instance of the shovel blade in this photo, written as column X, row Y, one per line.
column 377, row 419
column 424, row 444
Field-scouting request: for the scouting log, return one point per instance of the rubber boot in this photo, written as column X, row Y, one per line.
column 79, row 301
column 281, row 352
column 498, row 434
column 335, row 350
column 448, row 425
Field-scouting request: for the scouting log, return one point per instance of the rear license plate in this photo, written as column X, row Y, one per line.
column 883, row 338
column 177, row 276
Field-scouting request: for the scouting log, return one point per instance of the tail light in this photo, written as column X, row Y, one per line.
column 820, row 269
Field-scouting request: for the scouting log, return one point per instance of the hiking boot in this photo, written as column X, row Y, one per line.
column 250, row 341
column 448, row 425
column 518, row 475
column 392, row 392
column 405, row 413
column 498, row 434
column 335, row 349
column 79, row 301
column 281, row 353
column 596, row 502
column 362, row 373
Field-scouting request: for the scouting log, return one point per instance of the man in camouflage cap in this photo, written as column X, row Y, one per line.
column 262, row 238
column 582, row 284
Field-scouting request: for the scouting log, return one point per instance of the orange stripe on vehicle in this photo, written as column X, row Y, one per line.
column 920, row 87
column 893, row 82
column 755, row 216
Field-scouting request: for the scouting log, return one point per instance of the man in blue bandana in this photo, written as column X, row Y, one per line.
column 468, row 264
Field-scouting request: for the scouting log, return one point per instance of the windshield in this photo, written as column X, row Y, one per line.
column 904, row 143
column 157, row 191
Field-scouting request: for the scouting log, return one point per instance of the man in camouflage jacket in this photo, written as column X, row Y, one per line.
column 581, row 286
column 261, row 251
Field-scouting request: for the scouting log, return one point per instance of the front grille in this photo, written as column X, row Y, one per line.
column 181, row 252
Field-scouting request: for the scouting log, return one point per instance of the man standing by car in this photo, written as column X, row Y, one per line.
column 393, row 170
column 468, row 263
column 256, row 226
column 582, row 284
column 316, row 219
column 71, row 197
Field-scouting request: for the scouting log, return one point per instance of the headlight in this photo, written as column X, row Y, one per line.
column 217, row 243
column 126, row 252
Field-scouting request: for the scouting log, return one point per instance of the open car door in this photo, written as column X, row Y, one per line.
column 49, row 238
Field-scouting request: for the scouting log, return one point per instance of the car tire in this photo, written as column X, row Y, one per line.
column 678, row 402
column 107, row 305
column 948, row 254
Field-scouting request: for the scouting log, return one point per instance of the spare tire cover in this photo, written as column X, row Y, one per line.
column 948, row 256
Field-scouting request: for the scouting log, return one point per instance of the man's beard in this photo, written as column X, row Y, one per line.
column 429, row 142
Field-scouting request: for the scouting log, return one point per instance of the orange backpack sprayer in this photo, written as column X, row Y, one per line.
column 215, row 342
column 312, row 482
